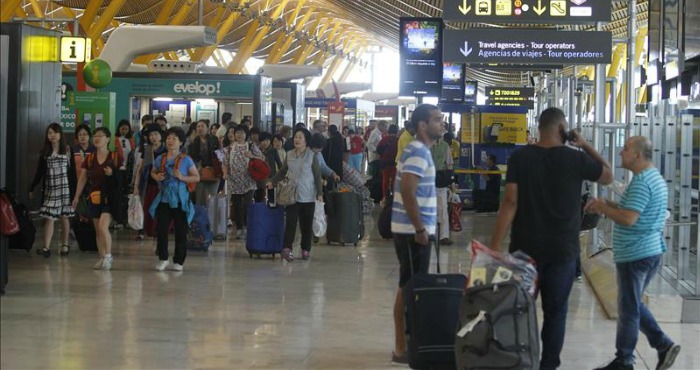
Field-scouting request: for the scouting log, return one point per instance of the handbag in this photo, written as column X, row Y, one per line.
column 443, row 178
column 9, row 225
column 208, row 173
column 589, row 221
column 287, row 192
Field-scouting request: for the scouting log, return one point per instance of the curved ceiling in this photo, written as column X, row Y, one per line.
column 325, row 28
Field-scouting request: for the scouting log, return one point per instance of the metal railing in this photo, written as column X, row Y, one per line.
column 672, row 137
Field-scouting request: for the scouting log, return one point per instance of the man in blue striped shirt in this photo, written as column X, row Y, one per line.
column 638, row 245
column 414, row 211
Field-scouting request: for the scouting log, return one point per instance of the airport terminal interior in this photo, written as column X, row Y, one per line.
column 615, row 68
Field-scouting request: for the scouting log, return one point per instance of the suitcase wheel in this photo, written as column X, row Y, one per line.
column 355, row 244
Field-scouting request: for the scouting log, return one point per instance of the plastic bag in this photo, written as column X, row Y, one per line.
column 319, row 224
column 135, row 212
column 490, row 267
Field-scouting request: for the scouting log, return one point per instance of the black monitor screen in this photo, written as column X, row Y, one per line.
column 421, row 56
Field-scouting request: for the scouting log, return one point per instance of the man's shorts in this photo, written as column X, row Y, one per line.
column 417, row 261
column 96, row 210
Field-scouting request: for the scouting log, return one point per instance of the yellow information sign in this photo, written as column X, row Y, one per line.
column 507, row 128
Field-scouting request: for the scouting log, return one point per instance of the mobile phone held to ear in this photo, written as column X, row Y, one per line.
column 567, row 136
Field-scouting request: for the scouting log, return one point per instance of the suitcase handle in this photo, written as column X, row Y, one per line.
column 437, row 250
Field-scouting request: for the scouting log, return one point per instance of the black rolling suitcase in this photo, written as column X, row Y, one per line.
column 85, row 235
column 431, row 304
column 345, row 219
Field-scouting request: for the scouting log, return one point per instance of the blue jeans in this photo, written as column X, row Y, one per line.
column 556, row 279
column 632, row 279
column 356, row 162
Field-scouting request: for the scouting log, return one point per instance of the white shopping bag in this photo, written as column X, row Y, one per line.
column 135, row 212
column 319, row 224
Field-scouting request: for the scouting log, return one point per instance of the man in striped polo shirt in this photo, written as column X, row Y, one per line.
column 414, row 212
column 638, row 246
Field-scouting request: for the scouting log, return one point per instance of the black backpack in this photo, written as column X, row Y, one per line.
column 384, row 221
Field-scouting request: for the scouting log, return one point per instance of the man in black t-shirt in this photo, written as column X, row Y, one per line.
column 542, row 202
column 487, row 200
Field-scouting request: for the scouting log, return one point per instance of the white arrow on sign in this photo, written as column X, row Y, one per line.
column 466, row 50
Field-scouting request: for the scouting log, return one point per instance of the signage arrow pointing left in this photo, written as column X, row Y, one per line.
column 466, row 50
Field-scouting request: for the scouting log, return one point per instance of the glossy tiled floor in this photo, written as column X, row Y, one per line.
column 226, row 311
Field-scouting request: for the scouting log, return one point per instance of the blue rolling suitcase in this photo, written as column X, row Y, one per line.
column 265, row 229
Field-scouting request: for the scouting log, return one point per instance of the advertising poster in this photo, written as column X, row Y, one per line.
column 452, row 82
column 504, row 128
column 420, row 52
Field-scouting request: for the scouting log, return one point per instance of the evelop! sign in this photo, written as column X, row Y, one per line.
column 198, row 88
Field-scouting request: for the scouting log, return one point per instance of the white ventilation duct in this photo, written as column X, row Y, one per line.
column 329, row 90
column 377, row 96
column 288, row 72
column 127, row 42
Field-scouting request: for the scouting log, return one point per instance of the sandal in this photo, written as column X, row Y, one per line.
column 65, row 249
column 46, row 252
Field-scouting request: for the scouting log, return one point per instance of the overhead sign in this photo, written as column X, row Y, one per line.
column 420, row 51
column 510, row 96
column 527, row 46
column 528, row 11
column 76, row 49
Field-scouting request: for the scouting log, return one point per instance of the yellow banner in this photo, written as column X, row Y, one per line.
column 507, row 128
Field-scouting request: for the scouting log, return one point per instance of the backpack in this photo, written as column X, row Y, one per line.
column 199, row 234
column 164, row 159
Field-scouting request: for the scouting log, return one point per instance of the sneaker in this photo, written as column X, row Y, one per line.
column 176, row 267
column 107, row 263
column 305, row 255
column 244, row 234
column 161, row 265
column 579, row 278
column 445, row 241
column 399, row 360
column 98, row 265
column 287, row 254
column 616, row 364
column 239, row 234
column 667, row 357
column 139, row 236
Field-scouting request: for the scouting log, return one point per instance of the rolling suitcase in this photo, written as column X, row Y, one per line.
column 431, row 304
column 85, row 235
column 265, row 229
column 497, row 328
column 345, row 218
column 217, row 208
